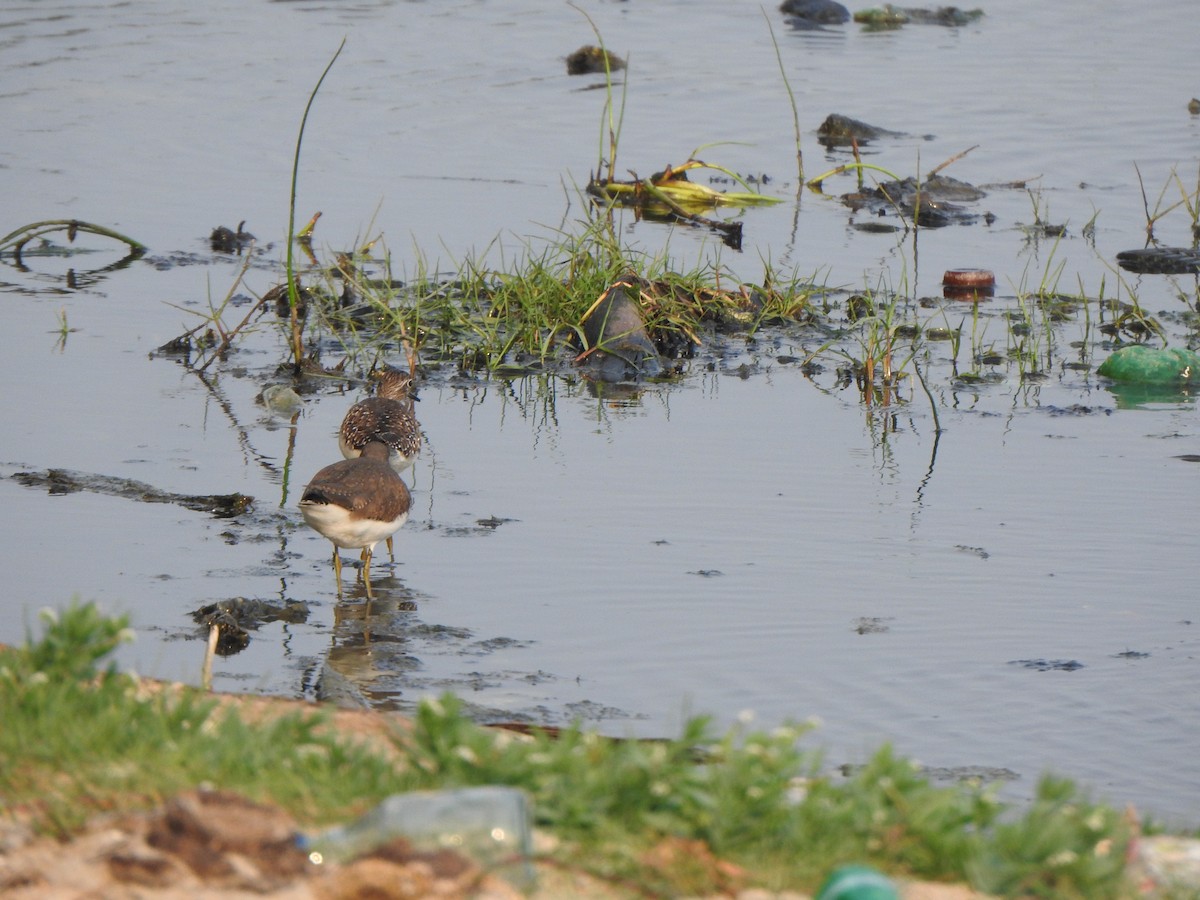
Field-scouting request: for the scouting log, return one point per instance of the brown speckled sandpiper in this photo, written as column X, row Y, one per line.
column 386, row 417
column 356, row 503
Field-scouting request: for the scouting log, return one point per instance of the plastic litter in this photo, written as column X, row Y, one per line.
column 857, row 883
column 490, row 825
column 1150, row 365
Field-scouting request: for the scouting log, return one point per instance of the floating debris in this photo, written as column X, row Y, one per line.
column 968, row 284
column 839, row 130
column 977, row 551
column 1048, row 665
column 233, row 619
column 493, row 522
column 63, row 481
column 669, row 195
column 589, row 60
column 672, row 188
column 805, row 14
column 890, row 17
column 1149, row 365
column 1076, row 409
column 14, row 242
column 1161, row 261
column 934, row 202
column 226, row 240
column 281, row 400
column 872, row 624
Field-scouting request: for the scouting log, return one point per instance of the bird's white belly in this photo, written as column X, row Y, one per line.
column 348, row 533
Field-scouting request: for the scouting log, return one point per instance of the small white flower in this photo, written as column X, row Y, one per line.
column 797, row 790
column 1062, row 858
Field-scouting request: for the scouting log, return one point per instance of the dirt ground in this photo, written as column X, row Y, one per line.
column 216, row 844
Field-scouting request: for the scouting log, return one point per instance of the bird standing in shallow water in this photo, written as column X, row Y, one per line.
column 356, row 503
column 388, row 417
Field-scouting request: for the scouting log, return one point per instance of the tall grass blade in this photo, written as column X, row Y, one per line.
column 293, row 289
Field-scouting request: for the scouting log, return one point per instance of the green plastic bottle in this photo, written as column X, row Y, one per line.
column 857, row 883
column 1139, row 364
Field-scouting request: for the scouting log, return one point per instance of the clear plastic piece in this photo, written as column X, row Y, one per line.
column 490, row 825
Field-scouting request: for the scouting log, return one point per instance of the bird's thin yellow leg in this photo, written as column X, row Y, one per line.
column 362, row 556
column 366, row 572
column 337, row 569
column 391, row 553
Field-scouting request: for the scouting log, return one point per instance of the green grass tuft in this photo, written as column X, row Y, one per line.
column 526, row 314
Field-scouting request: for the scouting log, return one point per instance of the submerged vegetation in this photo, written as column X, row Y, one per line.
column 81, row 738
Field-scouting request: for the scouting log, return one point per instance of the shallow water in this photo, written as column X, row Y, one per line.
column 750, row 537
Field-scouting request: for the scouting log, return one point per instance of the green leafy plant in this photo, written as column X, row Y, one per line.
column 1063, row 846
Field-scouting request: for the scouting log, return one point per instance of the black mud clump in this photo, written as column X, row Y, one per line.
column 806, row 14
column 64, row 481
column 235, row 618
column 1048, row 665
column 933, row 203
column 226, row 240
column 871, row 625
column 1161, row 261
column 889, row 17
column 842, row 131
column 589, row 60
column 1131, row 654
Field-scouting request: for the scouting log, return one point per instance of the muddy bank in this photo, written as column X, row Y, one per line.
column 212, row 843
